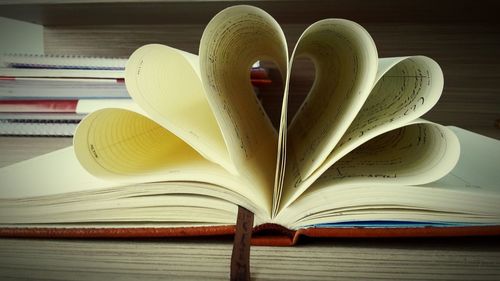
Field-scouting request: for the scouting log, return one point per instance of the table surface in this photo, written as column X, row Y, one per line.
column 209, row 258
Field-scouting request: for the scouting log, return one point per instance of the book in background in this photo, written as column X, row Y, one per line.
column 45, row 117
column 48, row 95
column 39, row 94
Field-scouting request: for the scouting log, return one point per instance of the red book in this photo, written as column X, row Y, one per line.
column 259, row 73
column 261, row 82
column 263, row 235
column 38, row 106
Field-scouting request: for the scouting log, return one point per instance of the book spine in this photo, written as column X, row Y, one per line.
column 62, row 62
column 60, row 73
column 57, row 128
column 12, row 88
column 40, row 106
column 259, row 73
column 261, row 82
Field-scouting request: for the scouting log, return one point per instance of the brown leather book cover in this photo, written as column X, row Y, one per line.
column 263, row 235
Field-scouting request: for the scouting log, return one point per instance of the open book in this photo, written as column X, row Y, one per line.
column 196, row 144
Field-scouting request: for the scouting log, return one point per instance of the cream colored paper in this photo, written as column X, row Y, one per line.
column 196, row 126
column 478, row 166
column 345, row 59
column 406, row 88
column 474, row 180
column 125, row 146
column 415, row 154
column 59, row 188
column 165, row 82
column 232, row 41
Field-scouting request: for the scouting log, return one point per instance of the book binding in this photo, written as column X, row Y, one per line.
column 263, row 235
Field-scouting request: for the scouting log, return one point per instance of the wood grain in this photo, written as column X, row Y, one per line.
column 209, row 260
column 87, row 12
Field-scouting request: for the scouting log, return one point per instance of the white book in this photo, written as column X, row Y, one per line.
column 62, row 62
column 60, row 73
column 21, row 127
column 61, row 88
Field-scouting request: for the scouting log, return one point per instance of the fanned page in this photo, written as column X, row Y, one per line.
column 467, row 195
column 125, row 146
column 51, row 198
column 232, row 41
column 165, row 82
column 345, row 59
column 405, row 88
column 344, row 56
column 196, row 142
column 193, row 110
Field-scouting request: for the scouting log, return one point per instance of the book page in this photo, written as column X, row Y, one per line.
column 279, row 180
column 418, row 153
column 48, row 187
column 415, row 154
column 232, row 41
column 42, row 175
column 185, row 210
column 165, row 83
column 345, row 59
column 478, row 168
column 474, row 179
column 406, row 89
column 118, row 142
column 127, row 147
column 74, row 196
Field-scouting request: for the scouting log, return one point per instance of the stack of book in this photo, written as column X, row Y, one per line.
column 48, row 95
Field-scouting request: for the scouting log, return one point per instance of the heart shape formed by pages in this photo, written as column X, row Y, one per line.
column 204, row 108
